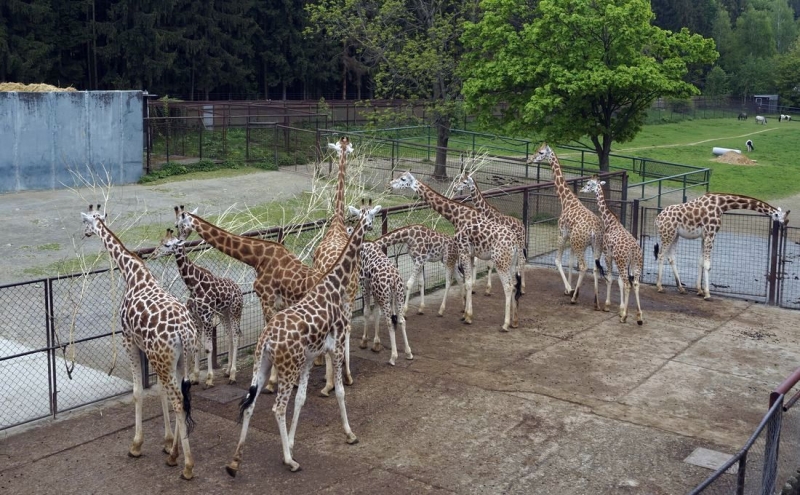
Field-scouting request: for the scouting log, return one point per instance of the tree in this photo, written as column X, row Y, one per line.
column 722, row 32
column 29, row 40
column 787, row 76
column 716, row 82
column 784, row 27
column 576, row 68
column 411, row 48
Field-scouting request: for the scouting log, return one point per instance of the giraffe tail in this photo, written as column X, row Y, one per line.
column 186, row 385
column 247, row 401
column 518, row 287
column 655, row 251
column 600, row 267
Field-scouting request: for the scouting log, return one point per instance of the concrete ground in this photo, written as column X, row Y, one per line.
column 571, row 402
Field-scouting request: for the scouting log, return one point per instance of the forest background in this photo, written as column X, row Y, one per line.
column 276, row 49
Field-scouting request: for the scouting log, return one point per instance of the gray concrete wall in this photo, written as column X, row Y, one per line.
column 56, row 140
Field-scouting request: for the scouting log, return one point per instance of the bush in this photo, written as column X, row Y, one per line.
column 173, row 168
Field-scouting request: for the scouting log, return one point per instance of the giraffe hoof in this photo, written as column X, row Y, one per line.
column 420, row 312
column 135, row 455
column 187, row 474
column 572, row 301
column 567, row 292
column 325, row 392
column 391, row 362
column 352, row 439
column 707, row 298
column 639, row 322
column 172, row 461
column 409, row 356
column 293, row 466
column 231, row 381
column 363, row 344
column 504, row 329
column 660, row 289
column 348, row 380
column 232, row 469
column 377, row 347
column 441, row 313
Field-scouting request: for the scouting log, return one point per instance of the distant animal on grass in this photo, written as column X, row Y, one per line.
column 761, row 120
column 749, row 144
column 742, row 116
column 786, row 117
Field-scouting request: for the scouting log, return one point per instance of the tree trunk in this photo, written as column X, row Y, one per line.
column 603, row 149
column 442, row 137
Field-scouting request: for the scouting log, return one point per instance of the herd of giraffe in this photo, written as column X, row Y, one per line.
column 308, row 309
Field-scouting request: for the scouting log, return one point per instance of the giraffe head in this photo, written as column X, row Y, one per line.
column 780, row 216
column 91, row 220
column 343, row 145
column 365, row 214
column 593, row 185
column 183, row 222
column 543, row 155
column 464, row 182
column 169, row 245
column 405, row 181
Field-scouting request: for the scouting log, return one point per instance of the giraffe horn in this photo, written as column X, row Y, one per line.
column 99, row 207
column 91, row 208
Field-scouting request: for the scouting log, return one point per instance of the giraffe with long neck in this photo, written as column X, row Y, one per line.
column 330, row 247
column 465, row 182
column 291, row 340
column 156, row 323
column 424, row 245
column 577, row 226
column 476, row 237
column 622, row 249
column 281, row 278
column 210, row 295
column 702, row 217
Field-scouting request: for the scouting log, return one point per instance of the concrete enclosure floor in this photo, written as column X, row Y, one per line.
column 571, row 402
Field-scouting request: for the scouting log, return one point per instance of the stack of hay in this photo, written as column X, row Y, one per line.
column 32, row 88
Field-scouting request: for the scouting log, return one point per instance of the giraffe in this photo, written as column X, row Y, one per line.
column 381, row 279
column 281, row 278
column 292, row 339
column 702, row 217
column 330, row 247
column 209, row 295
column 576, row 225
column 424, row 245
column 156, row 323
column 621, row 248
column 466, row 182
column 476, row 237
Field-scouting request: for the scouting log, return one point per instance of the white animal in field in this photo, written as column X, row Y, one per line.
column 749, row 144
column 761, row 120
column 786, row 117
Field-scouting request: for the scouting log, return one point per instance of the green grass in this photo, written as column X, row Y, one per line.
column 775, row 175
column 53, row 246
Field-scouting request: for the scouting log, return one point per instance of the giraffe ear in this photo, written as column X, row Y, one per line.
column 86, row 217
column 353, row 210
column 194, row 212
column 376, row 210
column 602, row 183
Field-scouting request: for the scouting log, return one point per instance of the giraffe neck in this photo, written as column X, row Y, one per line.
column 131, row 266
column 338, row 204
column 392, row 238
column 244, row 249
column 607, row 215
column 190, row 273
column 735, row 202
column 565, row 194
column 346, row 267
column 478, row 199
column 451, row 210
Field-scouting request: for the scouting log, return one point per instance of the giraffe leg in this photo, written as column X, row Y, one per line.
column 326, row 391
column 562, row 242
column 392, row 337
column 581, row 273
column 299, row 400
column 469, row 280
column 624, row 293
column 169, row 437
column 488, row 291
column 421, row 278
column 234, row 333
column 136, row 369
column 273, row 380
column 262, row 364
column 669, row 252
column 410, row 286
column 448, row 279
column 706, row 269
column 639, row 319
column 376, row 341
column 208, row 334
column 348, row 376
column 570, row 268
column 522, row 261
column 338, row 358
column 367, row 314
column 508, row 290
column 177, row 398
column 610, row 267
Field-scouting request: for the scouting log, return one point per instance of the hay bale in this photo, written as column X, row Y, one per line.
column 32, row 88
column 734, row 158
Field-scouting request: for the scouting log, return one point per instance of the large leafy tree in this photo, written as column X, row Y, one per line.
column 411, row 48
column 787, row 76
column 576, row 69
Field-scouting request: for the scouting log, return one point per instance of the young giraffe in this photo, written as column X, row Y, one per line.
column 424, row 245
column 330, row 247
column 466, row 182
column 156, row 323
column 381, row 279
column 281, row 278
column 476, row 237
column 621, row 248
column 209, row 295
column 296, row 335
column 576, row 225
column 702, row 217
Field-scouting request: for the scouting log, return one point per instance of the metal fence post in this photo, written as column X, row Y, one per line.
column 769, row 474
column 525, row 219
column 772, row 277
column 51, row 352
